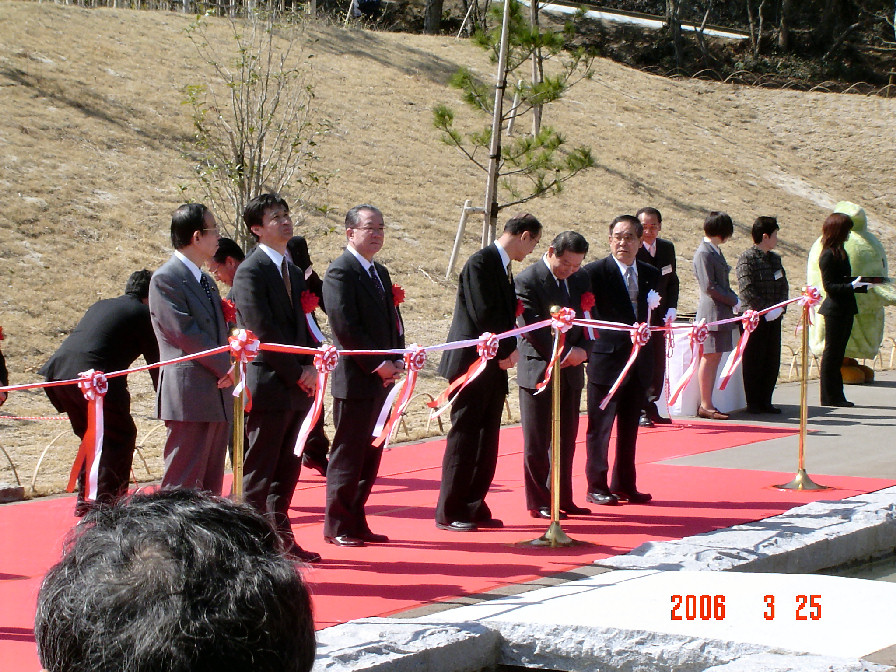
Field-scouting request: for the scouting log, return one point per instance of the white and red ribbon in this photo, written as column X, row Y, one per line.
column 698, row 335
column 310, row 302
column 94, row 386
column 384, row 429
column 561, row 322
column 324, row 361
column 243, row 349
column 486, row 348
column 640, row 335
column 750, row 320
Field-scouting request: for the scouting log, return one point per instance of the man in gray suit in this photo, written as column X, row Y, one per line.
column 194, row 396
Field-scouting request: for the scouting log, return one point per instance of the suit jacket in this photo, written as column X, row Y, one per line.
column 486, row 302
column 668, row 286
column 110, row 336
column 611, row 350
column 360, row 320
column 264, row 307
column 836, row 276
column 717, row 299
column 537, row 288
column 186, row 322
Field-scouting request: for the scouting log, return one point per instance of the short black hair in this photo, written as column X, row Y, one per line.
column 764, row 226
column 353, row 216
column 227, row 247
column 187, row 220
column 179, row 581
column 519, row 224
column 253, row 213
column 718, row 224
column 569, row 241
column 628, row 219
column 650, row 211
column 138, row 284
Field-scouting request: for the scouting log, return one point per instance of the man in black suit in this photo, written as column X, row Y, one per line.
column 485, row 302
column 267, row 292
column 660, row 254
column 226, row 260
column 110, row 336
column 620, row 284
column 363, row 316
column 554, row 280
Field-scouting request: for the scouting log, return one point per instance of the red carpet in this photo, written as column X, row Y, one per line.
column 424, row 564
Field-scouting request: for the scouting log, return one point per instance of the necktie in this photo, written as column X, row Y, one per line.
column 632, row 285
column 376, row 282
column 564, row 292
column 284, row 273
column 208, row 290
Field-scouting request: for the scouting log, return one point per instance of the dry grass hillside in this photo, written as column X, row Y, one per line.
column 92, row 131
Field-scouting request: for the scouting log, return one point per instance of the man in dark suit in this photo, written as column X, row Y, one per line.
column 110, row 336
column 267, row 291
column 226, row 260
column 660, row 254
column 363, row 316
column 194, row 397
column 554, row 280
column 485, row 302
column 620, row 284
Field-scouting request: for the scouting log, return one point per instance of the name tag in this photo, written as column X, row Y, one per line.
column 779, row 275
column 667, row 269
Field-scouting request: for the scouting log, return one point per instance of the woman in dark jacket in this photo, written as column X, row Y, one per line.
column 839, row 307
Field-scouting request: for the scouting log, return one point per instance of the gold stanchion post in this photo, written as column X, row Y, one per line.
column 238, row 434
column 802, row 481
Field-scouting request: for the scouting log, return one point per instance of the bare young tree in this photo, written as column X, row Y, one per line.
column 255, row 126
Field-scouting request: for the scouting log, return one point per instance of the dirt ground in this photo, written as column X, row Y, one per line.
column 93, row 133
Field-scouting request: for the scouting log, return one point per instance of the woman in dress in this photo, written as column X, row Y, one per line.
column 717, row 302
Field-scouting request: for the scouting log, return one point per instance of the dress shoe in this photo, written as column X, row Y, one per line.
column 711, row 414
column 634, row 497
column 490, row 523
column 369, row 537
column 654, row 415
column 574, row 510
column 345, row 540
column 300, row 553
column 457, row 526
column 841, row 404
column 545, row 512
column 774, row 410
column 644, row 421
column 314, row 463
column 602, row 498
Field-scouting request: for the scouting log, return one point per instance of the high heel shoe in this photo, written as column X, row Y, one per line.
column 711, row 414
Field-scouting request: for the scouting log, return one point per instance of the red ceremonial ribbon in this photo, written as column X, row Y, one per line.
column 324, row 361
column 810, row 298
column 310, row 302
column 397, row 300
column 561, row 322
column 487, row 348
column 587, row 304
column 94, row 386
column 698, row 335
column 750, row 320
column 413, row 364
column 243, row 349
column 229, row 309
column 640, row 334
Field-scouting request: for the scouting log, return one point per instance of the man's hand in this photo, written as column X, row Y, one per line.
column 308, row 379
column 574, row 357
column 225, row 381
column 510, row 361
column 390, row 371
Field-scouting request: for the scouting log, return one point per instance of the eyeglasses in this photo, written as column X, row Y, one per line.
column 625, row 237
column 373, row 229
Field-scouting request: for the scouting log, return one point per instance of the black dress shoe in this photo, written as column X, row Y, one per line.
column 644, row 421
column 490, row 523
column 634, row 497
column 602, row 498
column 774, row 410
column 754, row 410
column 574, row 510
column 841, row 404
column 314, row 463
column 300, row 553
column 545, row 512
column 373, row 538
column 345, row 540
column 457, row 526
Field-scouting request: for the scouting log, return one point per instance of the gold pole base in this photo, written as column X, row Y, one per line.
column 802, row 482
column 554, row 537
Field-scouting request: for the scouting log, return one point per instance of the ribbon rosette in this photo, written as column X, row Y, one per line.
column 229, row 309
column 486, row 348
column 397, row 300
column 640, row 335
column 809, row 300
column 413, row 364
column 699, row 334
column 243, row 349
column 587, row 304
column 324, row 361
column 750, row 320
column 561, row 322
column 93, row 385
column 653, row 302
column 310, row 302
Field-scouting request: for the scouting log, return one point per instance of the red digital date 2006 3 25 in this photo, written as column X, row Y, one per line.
column 712, row 608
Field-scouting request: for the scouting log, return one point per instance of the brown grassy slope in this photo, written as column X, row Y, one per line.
column 92, row 130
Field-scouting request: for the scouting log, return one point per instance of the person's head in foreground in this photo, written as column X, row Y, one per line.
column 175, row 581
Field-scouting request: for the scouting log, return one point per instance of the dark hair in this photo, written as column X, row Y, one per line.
column 179, row 581
column 569, row 241
column 764, row 226
column 353, row 216
column 227, row 247
column 718, row 224
column 253, row 214
column 650, row 211
column 138, row 284
column 519, row 224
column 187, row 220
column 835, row 230
column 628, row 219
